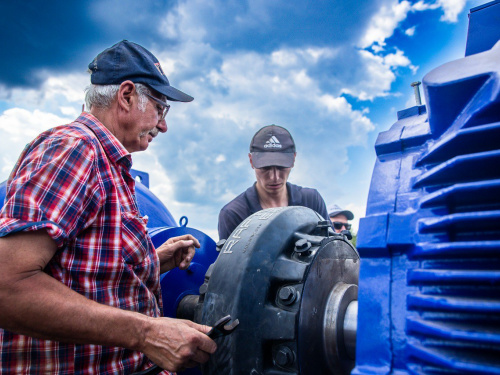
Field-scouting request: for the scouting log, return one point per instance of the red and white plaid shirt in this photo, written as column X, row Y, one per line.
column 74, row 181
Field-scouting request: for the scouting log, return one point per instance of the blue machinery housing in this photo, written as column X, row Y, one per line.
column 429, row 282
column 429, row 285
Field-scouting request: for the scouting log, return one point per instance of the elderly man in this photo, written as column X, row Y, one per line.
column 339, row 218
column 79, row 276
column 272, row 156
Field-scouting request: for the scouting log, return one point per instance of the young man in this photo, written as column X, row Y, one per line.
column 272, row 156
column 339, row 218
column 79, row 276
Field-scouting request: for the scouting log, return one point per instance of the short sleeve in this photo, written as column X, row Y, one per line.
column 228, row 221
column 321, row 209
column 53, row 186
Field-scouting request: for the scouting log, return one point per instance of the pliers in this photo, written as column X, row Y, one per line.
column 222, row 327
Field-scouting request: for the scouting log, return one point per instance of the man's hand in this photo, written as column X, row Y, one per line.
column 177, row 252
column 175, row 344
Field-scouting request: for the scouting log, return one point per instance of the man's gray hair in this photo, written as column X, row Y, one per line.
column 102, row 96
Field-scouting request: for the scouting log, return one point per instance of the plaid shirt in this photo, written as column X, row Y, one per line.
column 74, row 181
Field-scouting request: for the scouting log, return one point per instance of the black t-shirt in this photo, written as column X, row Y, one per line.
column 247, row 203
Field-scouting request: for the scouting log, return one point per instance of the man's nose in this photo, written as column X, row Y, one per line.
column 162, row 126
column 274, row 173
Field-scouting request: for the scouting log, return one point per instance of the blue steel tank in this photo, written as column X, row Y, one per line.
column 429, row 285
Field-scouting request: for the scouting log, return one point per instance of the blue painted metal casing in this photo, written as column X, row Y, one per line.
column 483, row 31
column 3, row 192
column 176, row 284
column 429, row 286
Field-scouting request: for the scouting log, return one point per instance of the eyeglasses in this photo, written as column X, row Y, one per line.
column 338, row 225
column 163, row 109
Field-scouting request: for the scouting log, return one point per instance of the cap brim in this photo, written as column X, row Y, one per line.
column 172, row 93
column 348, row 214
column 273, row 159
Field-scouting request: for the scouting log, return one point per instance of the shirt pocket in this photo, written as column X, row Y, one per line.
column 136, row 248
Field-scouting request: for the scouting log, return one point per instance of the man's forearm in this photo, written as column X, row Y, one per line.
column 42, row 307
column 35, row 304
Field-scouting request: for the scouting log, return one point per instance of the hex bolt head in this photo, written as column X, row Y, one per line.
column 303, row 247
column 301, row 244
column 287, row 295
column 284, row 356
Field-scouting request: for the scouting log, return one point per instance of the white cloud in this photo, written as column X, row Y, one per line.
column 378, row 78
column 383, row 24
column 410, row 31
column 179, row 22
column 17, row 128
column 381, row 27
column 284, row 58
column 451, row 8
column 398, row 59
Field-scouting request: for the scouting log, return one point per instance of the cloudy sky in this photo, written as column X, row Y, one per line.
column 333, row 72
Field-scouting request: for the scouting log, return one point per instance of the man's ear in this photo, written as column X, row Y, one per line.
column 125, row 97
column 250, row 158
column 294, row 155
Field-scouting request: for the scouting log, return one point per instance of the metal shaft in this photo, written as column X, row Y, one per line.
column 416, row 88
column 350, row 328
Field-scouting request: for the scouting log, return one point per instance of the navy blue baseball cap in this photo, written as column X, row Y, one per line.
column 130, row 61
column 272, row 145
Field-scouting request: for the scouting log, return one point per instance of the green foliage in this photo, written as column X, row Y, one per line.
column 354, row 238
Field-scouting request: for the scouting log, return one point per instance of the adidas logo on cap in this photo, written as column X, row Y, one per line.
column 273, row 143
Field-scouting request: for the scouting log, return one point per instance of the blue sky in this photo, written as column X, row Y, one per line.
column 333, row 73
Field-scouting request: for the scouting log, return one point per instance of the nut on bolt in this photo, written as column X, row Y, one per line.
column 303, row 247
column 287, row 295
column 284, row 356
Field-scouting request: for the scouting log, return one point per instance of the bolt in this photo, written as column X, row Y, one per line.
column 301, row 244
column 303, row 247
column 287, row 295
column 416, row 88
column 284, row 356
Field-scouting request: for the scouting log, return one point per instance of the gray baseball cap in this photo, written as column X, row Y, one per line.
column 272, row 145
column 334, row 210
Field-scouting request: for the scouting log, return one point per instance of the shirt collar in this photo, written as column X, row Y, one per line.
column 111, row 145
column 294, row 197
